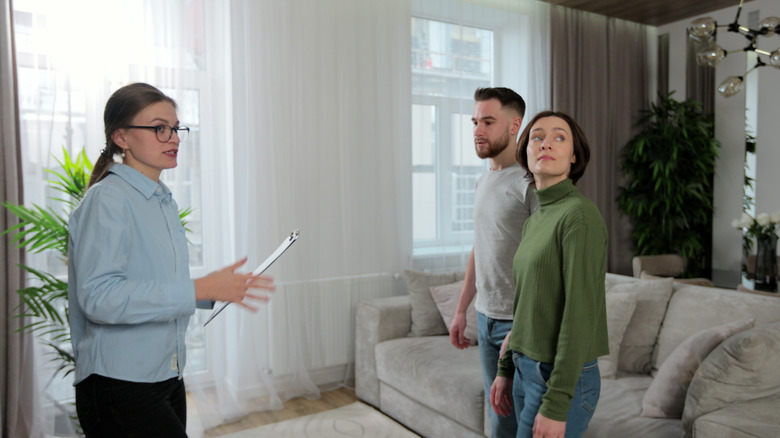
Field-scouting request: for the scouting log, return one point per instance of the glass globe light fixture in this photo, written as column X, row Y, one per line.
column 730, row 86
column 770, row 24
column 711, row 55
column 774, row 58
column 702, row 29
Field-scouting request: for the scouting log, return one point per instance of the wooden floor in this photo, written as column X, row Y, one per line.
column 297, row 407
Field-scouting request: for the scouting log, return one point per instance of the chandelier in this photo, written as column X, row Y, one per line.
column 704, row 30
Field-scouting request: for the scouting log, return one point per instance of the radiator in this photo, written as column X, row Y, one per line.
column 313, row 322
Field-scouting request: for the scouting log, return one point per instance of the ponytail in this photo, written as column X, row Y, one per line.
column 100, row 169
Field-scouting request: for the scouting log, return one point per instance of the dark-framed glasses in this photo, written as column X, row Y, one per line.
column 165, row 132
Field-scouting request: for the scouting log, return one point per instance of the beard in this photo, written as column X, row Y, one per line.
column 494, row 147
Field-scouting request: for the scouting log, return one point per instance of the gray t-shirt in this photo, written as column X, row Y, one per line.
column 503, row 201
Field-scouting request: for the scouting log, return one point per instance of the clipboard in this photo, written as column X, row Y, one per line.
column 263, row 266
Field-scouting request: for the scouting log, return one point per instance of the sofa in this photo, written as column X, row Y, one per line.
column 685, row 360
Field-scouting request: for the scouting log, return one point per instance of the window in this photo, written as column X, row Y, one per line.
column 449, row 62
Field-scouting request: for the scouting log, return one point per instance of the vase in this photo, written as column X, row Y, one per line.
column 766, row 263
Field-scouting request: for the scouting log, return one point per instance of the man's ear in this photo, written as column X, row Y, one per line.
column 517, row 122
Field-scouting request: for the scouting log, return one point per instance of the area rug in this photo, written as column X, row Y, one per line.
column 355, row 420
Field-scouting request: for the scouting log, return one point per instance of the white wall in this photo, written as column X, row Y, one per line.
column 730, row 126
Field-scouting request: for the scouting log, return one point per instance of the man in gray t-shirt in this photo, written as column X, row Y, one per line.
column 503, row 201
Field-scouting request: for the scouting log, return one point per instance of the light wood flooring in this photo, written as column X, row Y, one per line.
column 297, row 407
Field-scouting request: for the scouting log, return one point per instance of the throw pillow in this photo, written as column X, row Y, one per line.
column 426, row 319
column 620, row 308
column 446, row 298
column 665, row 398
column 743, row 367
column 636, row 348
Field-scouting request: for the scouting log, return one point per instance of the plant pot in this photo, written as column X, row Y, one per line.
column 766, row 264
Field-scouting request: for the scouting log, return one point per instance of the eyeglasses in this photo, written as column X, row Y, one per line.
column 165, row 132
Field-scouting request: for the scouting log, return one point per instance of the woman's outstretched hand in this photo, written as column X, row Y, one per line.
column 229, row 285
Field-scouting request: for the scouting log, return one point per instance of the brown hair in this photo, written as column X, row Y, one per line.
column 508, row 98
column 121, row 108
column 581, row 148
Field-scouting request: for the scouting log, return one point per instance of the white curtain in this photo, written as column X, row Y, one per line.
column 322, row 143
column 321, row 134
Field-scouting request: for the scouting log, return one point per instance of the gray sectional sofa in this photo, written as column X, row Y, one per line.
column 722, row 378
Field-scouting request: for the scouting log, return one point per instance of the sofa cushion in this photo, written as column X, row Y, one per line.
column 665, row 398
column 620, row 307
column 436, row 374
column 694, row 308
column 617, row 413
column 426, row 319
column 748, row 419
column 636, row 348
column 446, row 298
column 744, row 367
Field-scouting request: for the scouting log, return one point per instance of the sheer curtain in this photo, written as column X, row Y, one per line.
column 321, row 132
column 600, row 77
column 70, row 58
column 322, row 143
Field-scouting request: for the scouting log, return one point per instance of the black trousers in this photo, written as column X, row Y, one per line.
column 111, row 408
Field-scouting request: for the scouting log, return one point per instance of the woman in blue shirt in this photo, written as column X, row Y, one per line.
column 130, row 292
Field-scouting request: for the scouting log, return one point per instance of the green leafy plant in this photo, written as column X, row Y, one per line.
column 668, row 169
column 43, row 229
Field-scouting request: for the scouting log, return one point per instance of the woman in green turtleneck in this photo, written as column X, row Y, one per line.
column 560, row 325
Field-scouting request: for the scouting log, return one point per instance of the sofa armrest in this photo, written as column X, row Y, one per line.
column 376, row 321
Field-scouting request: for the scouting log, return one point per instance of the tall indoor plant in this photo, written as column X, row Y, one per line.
column 668, row 169
column 41, row 229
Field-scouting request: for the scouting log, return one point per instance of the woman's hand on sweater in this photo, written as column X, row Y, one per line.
column 501, row 396
column 229, row 285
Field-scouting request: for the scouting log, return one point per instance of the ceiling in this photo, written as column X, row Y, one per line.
column 652, row 12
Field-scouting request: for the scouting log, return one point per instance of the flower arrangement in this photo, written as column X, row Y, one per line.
column 763, row 226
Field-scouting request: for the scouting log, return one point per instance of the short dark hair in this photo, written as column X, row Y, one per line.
column 506, row 96
column 581, row 148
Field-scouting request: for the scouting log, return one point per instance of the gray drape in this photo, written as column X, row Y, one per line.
column 17, row 409
column 699, row 80
column 599, row 77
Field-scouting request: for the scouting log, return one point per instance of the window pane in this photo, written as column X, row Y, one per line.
column 463, row 151
column 423, row 135
column 424, row 205
column 449, row 59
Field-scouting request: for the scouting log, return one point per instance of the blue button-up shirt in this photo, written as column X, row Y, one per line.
column 129, row 289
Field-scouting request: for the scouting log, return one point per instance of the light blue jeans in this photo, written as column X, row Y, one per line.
column 530, row 384
column 491, row 333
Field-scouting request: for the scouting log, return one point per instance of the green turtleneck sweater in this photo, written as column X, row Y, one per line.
column 559, row 305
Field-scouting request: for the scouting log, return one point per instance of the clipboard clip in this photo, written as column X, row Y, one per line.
column 260, row 269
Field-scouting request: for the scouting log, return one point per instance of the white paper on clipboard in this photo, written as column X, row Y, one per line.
column 263, row 266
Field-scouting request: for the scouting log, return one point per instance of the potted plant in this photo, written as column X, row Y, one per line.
column 668, row 169
column 761, row 267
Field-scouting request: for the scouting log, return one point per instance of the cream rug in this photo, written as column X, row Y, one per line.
column 355, row 420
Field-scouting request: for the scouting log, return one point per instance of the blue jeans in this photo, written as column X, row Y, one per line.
column 530, row 385
column 491, row 333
